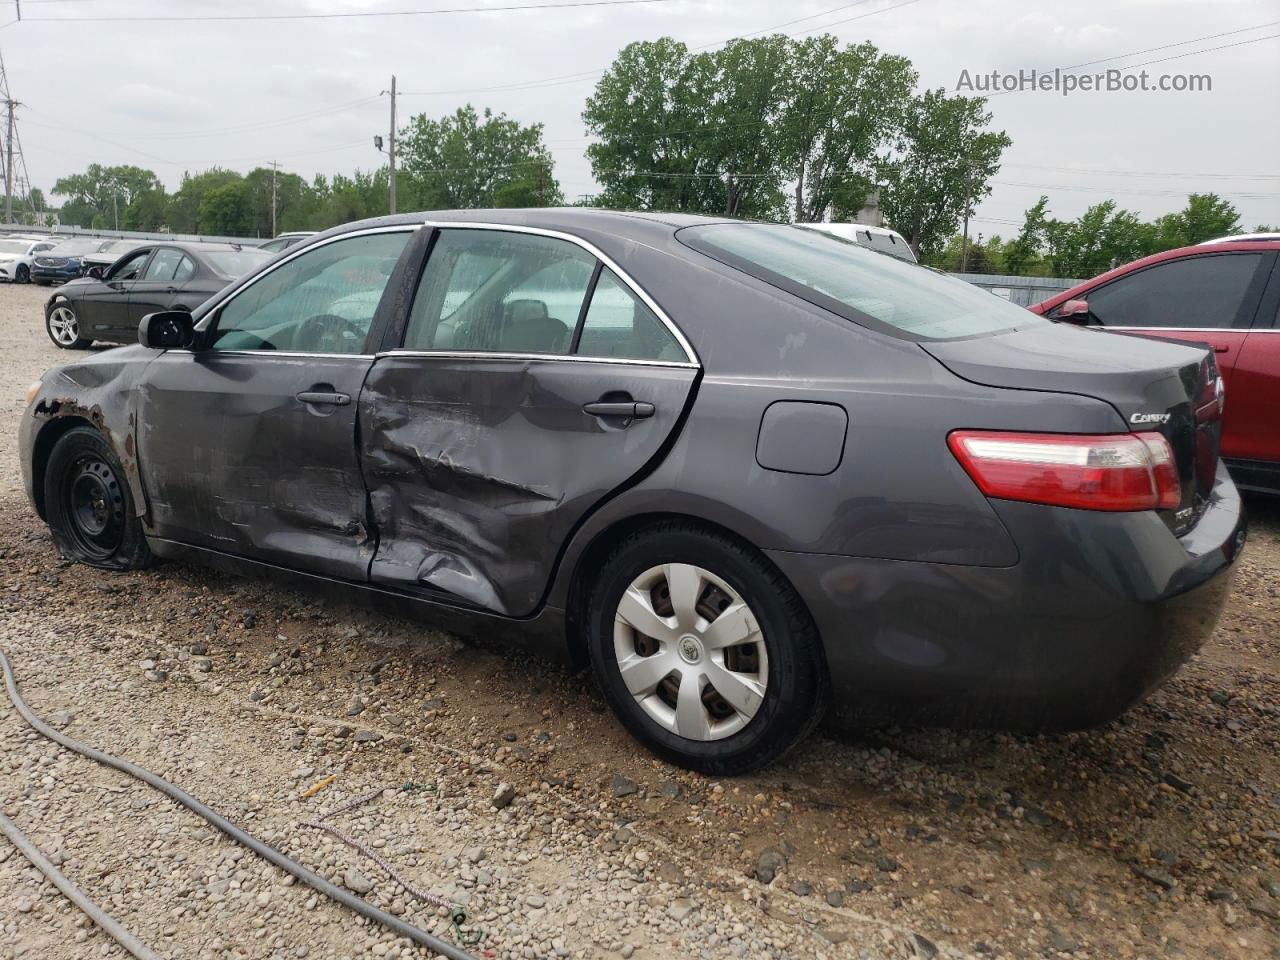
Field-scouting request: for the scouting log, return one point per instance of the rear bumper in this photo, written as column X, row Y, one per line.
column 1100, row 609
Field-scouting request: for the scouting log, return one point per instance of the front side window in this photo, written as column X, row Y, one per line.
column 128, row 268
column 1198, row 292
column 859, row 284
column 492, row 291
column 163, row 264
column 321, row 302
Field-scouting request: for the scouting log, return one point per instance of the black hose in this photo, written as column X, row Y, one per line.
column 270, row 854
column 73, row 893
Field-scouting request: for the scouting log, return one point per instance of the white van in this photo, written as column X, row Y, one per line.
column 877, row 238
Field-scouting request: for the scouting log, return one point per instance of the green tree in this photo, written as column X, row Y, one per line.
column 226, row 210
column 147, row 211
column 184, row 207
column 101, row 194
column 469, row 160
column 1023, row 252
column 1205, row 217
column 943, row 162
column 1103, row 237
column 841, row 105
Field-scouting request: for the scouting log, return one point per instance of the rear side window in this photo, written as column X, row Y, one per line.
column 163, row 264
column 1195, row 292
column 618, row 324
column 883, row 293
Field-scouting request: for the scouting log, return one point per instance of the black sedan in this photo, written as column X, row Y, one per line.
column 155, row 276
column 748, row 472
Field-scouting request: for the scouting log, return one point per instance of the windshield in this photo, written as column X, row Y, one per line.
column 235, row 263
column 120, row 247
column 75, row 248
column 859, row 284
column 15, row 246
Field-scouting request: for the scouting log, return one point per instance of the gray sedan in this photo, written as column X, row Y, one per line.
column 752, row 474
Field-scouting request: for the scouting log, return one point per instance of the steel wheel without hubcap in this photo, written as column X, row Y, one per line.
column 64, row 326
column 690, row 651
column 95, row 506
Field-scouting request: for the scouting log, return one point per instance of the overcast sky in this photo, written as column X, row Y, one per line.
column 174, row 96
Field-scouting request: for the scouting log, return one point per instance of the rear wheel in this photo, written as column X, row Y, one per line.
column 704, row 650
column 63, row 327
column 88, row 504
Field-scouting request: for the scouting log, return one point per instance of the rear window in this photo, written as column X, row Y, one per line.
column 236, row 263
column 869, row 288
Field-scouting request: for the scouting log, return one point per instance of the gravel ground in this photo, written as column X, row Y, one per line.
column 1156, row 836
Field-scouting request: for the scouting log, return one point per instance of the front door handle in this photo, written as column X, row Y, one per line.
column 628, row 409
column 1221, row 349
column 316, row 396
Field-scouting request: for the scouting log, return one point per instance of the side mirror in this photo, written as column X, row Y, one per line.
column 1073, row 311
column 97, row 272
column 167, row 330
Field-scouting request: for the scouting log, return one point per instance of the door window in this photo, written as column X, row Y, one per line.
column 618, row 324
column 1198, row 292
column 128, row 268
column 185, row 270
column 493, row 291
column 320, row 302
column 163, row 264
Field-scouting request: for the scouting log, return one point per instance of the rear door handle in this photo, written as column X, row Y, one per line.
column 1218, row 349
column 316, row 396
column 629, row 409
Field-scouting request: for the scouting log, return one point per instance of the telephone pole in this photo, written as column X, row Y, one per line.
column 10, row 103
column 391, row 150
column 275, row 165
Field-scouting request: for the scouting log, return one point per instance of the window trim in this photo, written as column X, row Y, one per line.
column 692, row 360
column 209, row 320
column 1245, row 315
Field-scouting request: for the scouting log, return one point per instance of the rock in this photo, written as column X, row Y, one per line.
column 628, row 951
column 343, row 732
column 356, row 881
column 1265, row 909
column 503, row 796
column 1220, row 697
column 367, row 736
column 473, row 854
column 835, row 898
column 357, row 707
column 249, row 619
column 886, row 864
column 1222, row 895
column 510, row 737
column 801, row 889
column 157, row 676
column 1175, row 781
column 25, row 905
column 1061, row 942
column 622, row 786
column 924, row 946
column 669, row 872
column 203, row 664
column 680, row 909
column 1270, row 884
column 199, row 649
column 669, row 789
column 1158, row 877
column 61, row 718
column 1037, row 816
column 536, row 901
column 771, row 861
column 256, row 696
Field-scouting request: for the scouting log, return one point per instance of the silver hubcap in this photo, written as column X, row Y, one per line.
column 64, row 326
column 690, row 651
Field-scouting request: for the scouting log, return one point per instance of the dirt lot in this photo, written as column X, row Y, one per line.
column 1158, row 836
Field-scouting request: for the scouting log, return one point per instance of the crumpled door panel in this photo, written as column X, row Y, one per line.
column 478, row 470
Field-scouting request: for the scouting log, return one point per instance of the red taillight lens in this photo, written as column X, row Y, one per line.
column 1124, row 471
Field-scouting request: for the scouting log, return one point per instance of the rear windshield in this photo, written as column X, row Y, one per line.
column 75, row 248
column 236, row 263
column 862, row 285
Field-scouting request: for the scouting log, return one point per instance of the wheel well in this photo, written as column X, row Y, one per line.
column 48, row 436
column 591, row 559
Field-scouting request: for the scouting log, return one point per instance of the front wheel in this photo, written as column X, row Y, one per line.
column 22, row 274
column 63, row 327
column 89, row 506
column 704, row 650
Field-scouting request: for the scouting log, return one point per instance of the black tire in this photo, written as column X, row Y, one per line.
column 797, row 690
column 22, row 274
column 89, row 506
column 62, row 307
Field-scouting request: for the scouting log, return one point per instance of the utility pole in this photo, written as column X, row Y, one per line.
column 8, row 164
column 274, row 167
column 391, row 149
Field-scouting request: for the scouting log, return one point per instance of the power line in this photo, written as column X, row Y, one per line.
column 585, row 75
column 1148, row 173
column 1083, row 188
column 218, row 17
column 1169, row 46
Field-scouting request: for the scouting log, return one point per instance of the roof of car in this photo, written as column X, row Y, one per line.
column 550, row 218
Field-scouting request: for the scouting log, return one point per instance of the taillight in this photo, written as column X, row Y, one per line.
column 1124, row 471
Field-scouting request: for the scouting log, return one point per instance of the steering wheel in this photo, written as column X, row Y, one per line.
column 326, row 333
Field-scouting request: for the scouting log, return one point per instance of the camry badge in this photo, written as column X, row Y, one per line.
column 1149, row 418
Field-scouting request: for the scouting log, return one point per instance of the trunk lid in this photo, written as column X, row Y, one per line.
column 1163, row 386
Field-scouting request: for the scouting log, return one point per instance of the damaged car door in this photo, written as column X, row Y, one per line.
column 530, row 380
column 247, row 440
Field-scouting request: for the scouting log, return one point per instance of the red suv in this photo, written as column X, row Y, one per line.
column 1226, row 294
